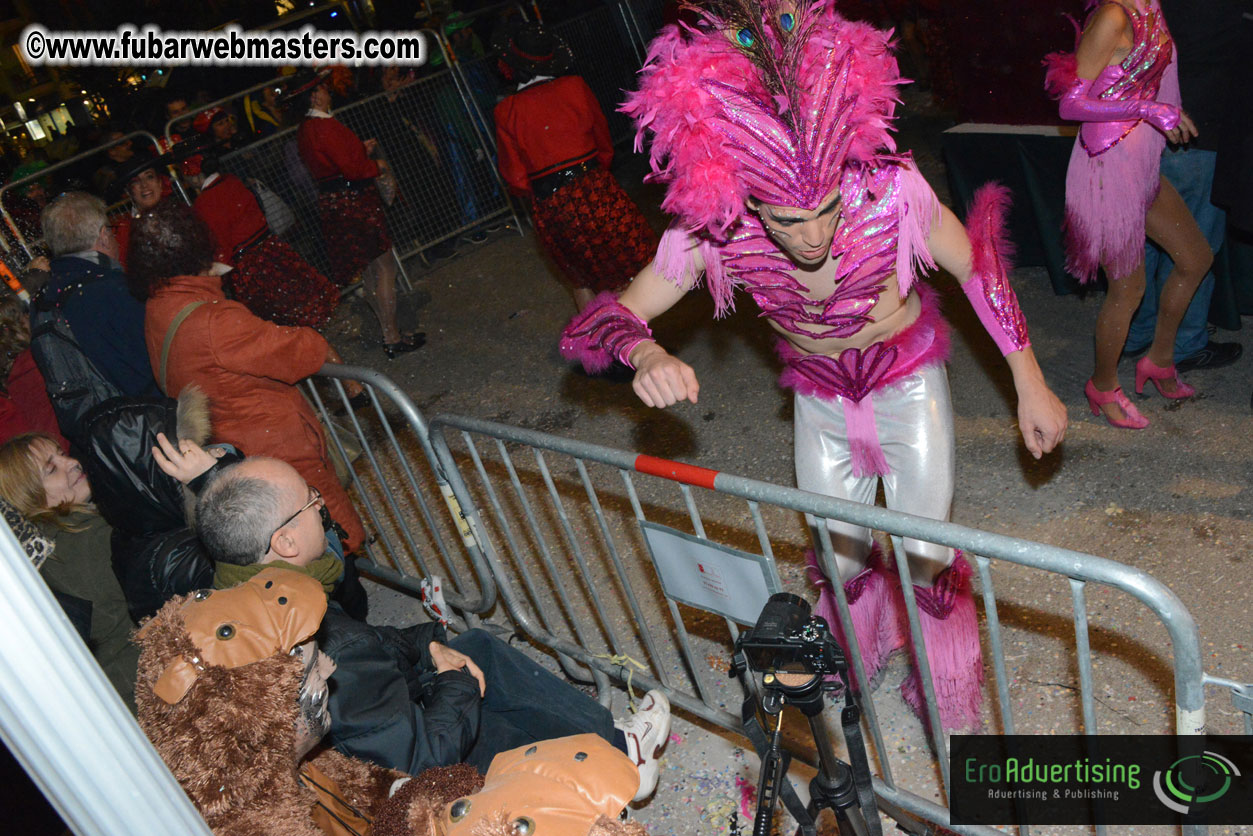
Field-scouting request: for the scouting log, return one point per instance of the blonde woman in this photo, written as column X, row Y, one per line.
column 50, row 489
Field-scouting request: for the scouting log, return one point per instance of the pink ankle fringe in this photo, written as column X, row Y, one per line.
column 950, row 629
column 875, row 606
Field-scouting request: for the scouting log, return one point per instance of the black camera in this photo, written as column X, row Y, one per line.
column 787, row 639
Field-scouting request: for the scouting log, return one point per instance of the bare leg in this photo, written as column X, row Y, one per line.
column 1112, row 323
column 1171, row 226
column 583, row 296
column 379, row 280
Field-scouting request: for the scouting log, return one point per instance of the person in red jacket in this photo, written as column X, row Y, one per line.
column 553, row 144
column 267, row 275
column 24, row 404
column 351, row 212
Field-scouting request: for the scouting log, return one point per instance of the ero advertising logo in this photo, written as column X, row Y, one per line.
column 1194, row 781
column 1101, row 779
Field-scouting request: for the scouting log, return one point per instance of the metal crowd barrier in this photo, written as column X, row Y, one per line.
column 400, row 491
column 559, row 523
column 31, row 245
column 550, row 535
column 436, row 133
column 544, row 532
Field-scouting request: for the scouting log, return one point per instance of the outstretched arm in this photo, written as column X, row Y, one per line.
column 1041, row 416
column 661, row 379
column 617, row 328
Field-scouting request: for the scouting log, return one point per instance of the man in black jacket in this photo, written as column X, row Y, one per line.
column 408, row 698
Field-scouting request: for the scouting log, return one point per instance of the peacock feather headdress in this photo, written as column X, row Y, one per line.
column 764, row 98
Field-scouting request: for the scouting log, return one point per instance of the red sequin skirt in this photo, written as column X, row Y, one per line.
column 277, row 284
column 594, row 232
column 354, row 229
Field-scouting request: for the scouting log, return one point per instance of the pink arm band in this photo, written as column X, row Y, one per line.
column 605, row 331
column 1079, row 105
column 988, row 287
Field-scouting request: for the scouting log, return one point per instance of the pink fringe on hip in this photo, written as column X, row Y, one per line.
column 1107, row 198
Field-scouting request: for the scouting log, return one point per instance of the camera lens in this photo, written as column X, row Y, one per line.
column 791, row 600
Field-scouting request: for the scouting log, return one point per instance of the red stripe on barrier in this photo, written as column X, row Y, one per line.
column 701, row 477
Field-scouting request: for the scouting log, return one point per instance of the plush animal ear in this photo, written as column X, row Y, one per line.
column 416, row 807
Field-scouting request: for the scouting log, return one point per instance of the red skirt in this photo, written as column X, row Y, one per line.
column 354, row 229
column 277, row 284
column 594, row 232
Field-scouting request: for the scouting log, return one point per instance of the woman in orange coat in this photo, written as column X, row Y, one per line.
column 248, row 367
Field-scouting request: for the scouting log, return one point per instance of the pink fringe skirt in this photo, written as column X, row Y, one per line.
column 1107, row 197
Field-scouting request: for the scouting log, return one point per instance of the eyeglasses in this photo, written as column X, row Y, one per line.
column 315, row 496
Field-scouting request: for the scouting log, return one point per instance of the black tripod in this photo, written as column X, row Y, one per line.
column 845, row 789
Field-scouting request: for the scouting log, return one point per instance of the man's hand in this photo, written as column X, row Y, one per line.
column 186, row 461
column 1041, row 417
column 1184, row 132
column 446, row 659
column 661, row 379
column 370, row 146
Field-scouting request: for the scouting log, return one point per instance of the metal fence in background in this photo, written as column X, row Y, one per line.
column 436, row 133
column 607, row 56
column 21, row 245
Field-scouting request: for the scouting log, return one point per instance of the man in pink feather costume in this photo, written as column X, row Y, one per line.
column 770, row 122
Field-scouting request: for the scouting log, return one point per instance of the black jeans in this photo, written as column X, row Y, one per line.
column 524, row 701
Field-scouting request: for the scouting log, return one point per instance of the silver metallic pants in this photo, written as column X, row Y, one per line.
column 914, row 418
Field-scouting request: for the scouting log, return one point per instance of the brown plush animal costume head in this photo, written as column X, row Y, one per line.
column 218, row 696
column 217, row 688
column 570, row 786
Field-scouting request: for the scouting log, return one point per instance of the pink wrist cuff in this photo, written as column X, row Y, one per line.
column 605, row 331
column 988, row 288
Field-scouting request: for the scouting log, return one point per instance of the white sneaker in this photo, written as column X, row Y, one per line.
column 646, row 732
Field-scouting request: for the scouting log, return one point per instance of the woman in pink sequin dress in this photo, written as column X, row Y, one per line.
column 1122, row 84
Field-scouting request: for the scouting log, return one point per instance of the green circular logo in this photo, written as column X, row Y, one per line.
column 1193, row 781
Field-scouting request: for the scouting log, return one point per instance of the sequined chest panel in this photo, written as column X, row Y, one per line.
column 864, row 249
column 1149, row 56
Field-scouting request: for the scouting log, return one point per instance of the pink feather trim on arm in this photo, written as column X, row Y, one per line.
column 605, row 331
column 1061, row 69
column 988, row 287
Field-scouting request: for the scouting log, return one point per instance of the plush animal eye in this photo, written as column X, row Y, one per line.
column 226, row 631
column 745, row 38
column 787, row 21
column 522, row 826
column 459, row 809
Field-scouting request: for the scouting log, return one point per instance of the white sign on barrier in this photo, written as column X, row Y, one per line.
column 713, row 577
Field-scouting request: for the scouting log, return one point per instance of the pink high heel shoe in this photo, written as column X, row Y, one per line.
column 1131, row 420
column 1146, row 369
